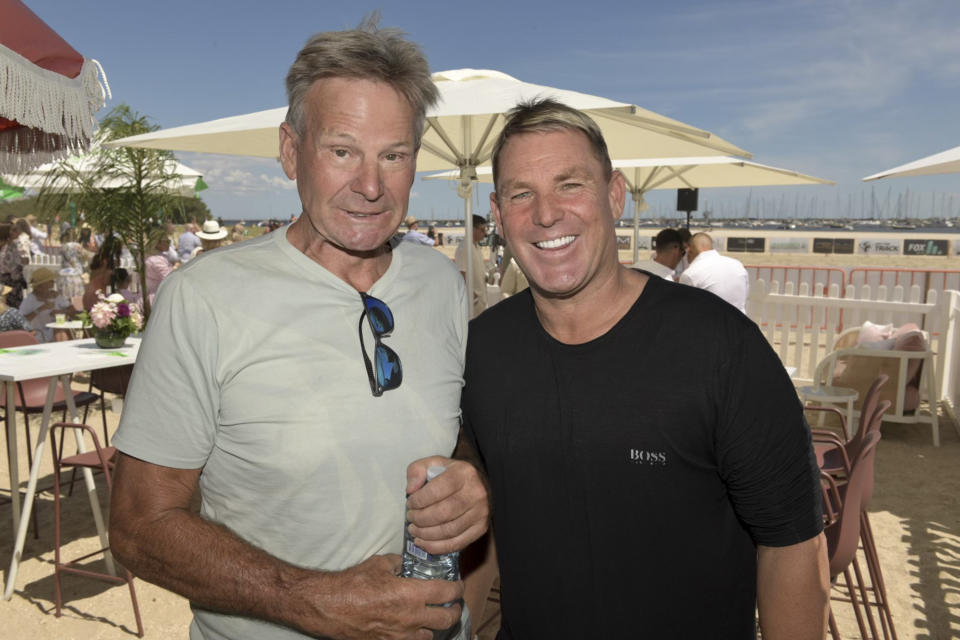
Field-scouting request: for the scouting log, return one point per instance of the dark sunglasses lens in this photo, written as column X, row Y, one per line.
column 389, row 373
column 381, row 319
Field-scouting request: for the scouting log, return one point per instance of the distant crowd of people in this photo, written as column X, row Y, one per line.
column 90, row 262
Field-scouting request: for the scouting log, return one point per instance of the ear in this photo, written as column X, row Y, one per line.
column 617, row 193
column 289, row 145
column 495, row 210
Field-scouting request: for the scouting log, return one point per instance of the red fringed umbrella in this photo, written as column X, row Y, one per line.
column 49, row 93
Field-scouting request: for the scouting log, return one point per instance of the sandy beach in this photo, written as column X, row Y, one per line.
column 915, row 514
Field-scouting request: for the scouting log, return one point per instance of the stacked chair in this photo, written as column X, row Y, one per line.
column 847, row 474
column 102, row 459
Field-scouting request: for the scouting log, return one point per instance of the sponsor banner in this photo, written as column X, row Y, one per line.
column 746, row 245
column 789, row 245
column 833, row 245
column 956, row 247
column 624, row 243
column 879, row 247
column 912, row 247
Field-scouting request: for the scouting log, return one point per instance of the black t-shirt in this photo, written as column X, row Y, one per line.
column 633, row 476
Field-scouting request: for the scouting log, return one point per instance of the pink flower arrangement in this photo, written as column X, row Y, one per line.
column 113, row 314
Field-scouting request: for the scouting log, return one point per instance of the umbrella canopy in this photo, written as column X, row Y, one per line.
column 44, row 176
column 646, row 174
column 944, row 162
column 49, row 93
column 462, row 129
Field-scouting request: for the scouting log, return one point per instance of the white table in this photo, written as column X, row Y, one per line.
column 57, row 361
column 832, row 395
column 75, row 327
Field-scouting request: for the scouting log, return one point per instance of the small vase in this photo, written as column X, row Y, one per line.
column 109, row 339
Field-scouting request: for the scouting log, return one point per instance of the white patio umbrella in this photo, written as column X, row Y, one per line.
column 944, row 162
column 462, row 129
column 185, row 182
column 646, row 174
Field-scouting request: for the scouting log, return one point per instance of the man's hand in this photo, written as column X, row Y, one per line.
column 451, row 511
column 374, row 602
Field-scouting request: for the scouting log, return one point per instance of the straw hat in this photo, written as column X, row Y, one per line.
column 410, row 221
column 41, row 276
column 212, row 231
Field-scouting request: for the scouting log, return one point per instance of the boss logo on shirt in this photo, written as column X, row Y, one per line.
column 652, row 458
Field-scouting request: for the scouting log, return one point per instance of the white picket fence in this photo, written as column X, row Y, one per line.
column 802, row 326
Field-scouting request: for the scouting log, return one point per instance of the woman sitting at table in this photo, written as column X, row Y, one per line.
column 10, row 317
column 41, row 305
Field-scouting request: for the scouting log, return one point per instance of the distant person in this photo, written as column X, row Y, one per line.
column 685, row 260
column 38, row 236
column 668, row 252
column 414, row 234
column 87, row 240
column 156, row 266
column 238, row 234
column 171, row 253
column 432, row 233
column 74, row 261
column 211, row 237
column 721, row 275
column 10, row 317
column 41, row 305
column 14, row 255
column 478, row 287
column 188, row 242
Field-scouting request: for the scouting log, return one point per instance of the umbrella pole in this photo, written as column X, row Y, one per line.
column 636, row 226
column 465, row 191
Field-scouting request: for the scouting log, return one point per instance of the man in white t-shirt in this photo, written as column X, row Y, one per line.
column 285, row 377
column 478, row 287
column 721, row 275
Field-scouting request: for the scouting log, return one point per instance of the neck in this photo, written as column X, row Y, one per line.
column 359, row 269
column 591, row 312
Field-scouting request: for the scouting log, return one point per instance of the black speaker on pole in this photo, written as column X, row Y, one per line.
column 687, row 200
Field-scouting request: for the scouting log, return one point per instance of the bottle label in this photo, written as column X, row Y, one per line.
column 417, row 552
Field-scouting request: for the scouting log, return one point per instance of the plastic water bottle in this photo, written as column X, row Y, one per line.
column 417, row 563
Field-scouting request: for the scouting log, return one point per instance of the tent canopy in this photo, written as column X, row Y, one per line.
column 944, row 162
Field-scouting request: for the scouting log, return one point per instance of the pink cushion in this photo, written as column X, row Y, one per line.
column 858, row 372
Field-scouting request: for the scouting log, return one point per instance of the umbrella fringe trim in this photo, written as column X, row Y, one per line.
column 46, row 100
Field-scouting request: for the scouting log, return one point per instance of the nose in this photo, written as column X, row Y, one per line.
column 547, row 211
column 368, row 182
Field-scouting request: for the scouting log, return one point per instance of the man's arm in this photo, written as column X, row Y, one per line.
column 793, row 590
column 155, row 535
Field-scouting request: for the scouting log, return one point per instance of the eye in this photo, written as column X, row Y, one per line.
column 567, row 186
column 341, row 153
column 522, row 195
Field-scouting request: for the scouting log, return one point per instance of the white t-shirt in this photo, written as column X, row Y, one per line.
column 722, row 275
column 655, row 268
column 479, row 276
column 251, row 368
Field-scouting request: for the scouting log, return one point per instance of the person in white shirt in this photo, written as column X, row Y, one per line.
column 414, row 235
column 721, row 275
column 669, row 250
column 479, row 276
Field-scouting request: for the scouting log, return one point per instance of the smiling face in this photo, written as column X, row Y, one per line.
column 354, row 167
column 556, row 210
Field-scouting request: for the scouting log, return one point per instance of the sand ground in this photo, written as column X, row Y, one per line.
column 915, row 514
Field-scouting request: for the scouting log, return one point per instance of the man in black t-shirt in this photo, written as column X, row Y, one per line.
column 650, row 469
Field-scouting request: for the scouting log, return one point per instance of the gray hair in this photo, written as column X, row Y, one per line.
column 543, row 115
column 364, row 53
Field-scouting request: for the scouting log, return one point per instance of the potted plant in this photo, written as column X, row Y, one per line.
column 112, row 319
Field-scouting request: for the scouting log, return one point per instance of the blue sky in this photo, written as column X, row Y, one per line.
column 839, row 89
